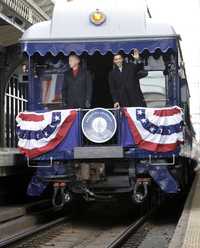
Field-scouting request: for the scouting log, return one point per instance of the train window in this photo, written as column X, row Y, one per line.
column 154, row 89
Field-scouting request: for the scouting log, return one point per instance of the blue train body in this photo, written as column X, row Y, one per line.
column 101, row 170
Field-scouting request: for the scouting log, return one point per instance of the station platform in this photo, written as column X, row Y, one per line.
column 8, row 156
column 10, row 161
column 187, row 233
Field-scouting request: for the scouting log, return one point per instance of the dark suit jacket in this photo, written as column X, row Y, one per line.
column 77, row 91
column 125, row 86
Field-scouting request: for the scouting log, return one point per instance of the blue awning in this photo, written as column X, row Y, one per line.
column 101, row 46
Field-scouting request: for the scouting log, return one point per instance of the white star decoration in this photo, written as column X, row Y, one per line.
column 46, row 134
column 143, row 120
column 139, row 112
column 152, row 129
column 57, row 118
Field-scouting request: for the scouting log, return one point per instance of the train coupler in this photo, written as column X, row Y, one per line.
column 61, row 195
column 89, row 196
column 140, row 190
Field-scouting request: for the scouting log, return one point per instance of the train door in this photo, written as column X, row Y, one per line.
column 100, row 66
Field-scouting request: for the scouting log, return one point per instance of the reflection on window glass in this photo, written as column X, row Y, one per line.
column 49, row 75
column 51, row 86
column 154, row 89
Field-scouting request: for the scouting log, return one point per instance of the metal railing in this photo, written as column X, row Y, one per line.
column 28, row 10
column 15, row 102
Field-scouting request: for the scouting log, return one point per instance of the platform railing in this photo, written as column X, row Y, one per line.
column 26, row 9
column 15, row 102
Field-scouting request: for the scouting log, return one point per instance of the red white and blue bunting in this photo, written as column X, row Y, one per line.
column 150, row 129
column 39, row 133
column 157, row 130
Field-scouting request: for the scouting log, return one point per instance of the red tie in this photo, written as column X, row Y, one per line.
column 75, row 72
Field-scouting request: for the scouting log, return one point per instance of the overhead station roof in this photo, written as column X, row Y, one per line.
column 9, row 34
column 46, row 5
column 17, row 16
column 71, row 21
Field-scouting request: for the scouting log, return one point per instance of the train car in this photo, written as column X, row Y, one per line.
column 105, row 153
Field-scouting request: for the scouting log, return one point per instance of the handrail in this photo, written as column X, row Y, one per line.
column 27, row 10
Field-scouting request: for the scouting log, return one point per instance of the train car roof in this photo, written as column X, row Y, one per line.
column 79, row 21
column 71, row 20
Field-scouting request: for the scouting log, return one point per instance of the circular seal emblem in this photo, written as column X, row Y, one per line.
column 97, row 17
column 99, row 125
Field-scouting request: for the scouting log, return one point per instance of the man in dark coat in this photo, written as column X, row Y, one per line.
column 77, row 85
column 124, row 82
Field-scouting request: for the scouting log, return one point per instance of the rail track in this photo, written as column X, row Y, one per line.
column 31, row 231
column 84, row 231
column 89, row 229
column 25, row 221
column 130, row 230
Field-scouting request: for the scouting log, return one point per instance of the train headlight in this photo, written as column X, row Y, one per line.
column 99, row 125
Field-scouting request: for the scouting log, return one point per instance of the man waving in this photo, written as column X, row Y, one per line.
column 124, row 82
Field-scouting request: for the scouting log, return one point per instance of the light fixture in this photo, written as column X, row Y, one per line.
column 97, row 17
